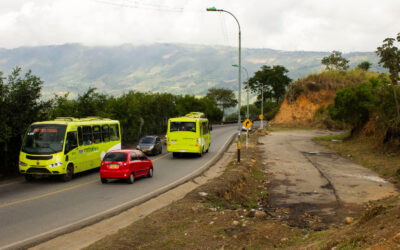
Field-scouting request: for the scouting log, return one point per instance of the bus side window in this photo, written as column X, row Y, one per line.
column 87, row 135
column 96, row 134
column 114, row 133
column 80, row 138
column 105, row 133
column 205, row 128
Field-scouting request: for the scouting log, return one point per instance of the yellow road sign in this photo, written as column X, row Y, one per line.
column 247, row 123
column 261, row 117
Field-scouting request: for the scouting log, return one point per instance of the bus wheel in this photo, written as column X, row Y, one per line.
column 201, row 153
column 131, row 178
column 174, row 154
column 68, row 175
column 29, row 177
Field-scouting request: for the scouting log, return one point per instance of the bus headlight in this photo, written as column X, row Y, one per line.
column 23, row 163
column 151, row 147
column 56, row 164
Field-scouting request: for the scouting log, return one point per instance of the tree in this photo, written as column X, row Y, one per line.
column 335, row 61
column 272, row 80
column 390, row 59
column 5, row 129
column 354, row 105
column 225, row 98
column 20, row 106
column 365, row 65
column 91, row 103
column 189, row 103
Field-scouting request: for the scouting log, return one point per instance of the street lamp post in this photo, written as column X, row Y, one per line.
column 262, row 105
column 247, row 114
column 240, row 84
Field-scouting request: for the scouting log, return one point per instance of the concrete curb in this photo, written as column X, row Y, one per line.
column 35, row 240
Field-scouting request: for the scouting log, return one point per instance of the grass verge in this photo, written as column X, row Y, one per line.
column 364, row 151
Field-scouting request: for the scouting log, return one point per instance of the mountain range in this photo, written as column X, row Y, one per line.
column 173, row 68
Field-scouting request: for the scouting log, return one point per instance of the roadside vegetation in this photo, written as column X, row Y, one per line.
column 139, row 113
column 232, row 212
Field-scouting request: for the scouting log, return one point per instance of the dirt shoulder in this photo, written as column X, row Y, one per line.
column 237, row 209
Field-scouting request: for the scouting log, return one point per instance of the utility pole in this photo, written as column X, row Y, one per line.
column 247, row 114
column 262, row 105
column 239, row 80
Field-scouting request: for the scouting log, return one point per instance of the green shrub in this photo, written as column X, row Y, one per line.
column 354, row 104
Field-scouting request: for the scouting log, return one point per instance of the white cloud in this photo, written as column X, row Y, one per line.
column 286, row 24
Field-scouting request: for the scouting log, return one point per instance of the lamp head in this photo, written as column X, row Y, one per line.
column 213, row 9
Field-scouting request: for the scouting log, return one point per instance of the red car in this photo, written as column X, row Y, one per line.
column 126, row 164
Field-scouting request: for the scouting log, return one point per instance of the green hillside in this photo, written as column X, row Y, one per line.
column 174, row 68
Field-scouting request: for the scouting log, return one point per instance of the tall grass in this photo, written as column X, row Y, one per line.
column 331, row 80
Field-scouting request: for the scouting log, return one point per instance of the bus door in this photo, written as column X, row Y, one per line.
column 71, row 150
column 206, row 135
column 200, row 138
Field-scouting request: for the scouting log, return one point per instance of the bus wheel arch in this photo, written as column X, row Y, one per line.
column 68, row 173
column 29, row 177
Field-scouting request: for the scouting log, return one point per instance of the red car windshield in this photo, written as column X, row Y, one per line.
column 117, row 156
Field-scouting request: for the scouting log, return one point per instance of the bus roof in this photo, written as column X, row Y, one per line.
column 187, row 119
column 67, row 120
column 196, row 114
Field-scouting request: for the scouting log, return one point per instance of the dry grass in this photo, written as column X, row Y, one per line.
column 329, row 81
column 367, row 151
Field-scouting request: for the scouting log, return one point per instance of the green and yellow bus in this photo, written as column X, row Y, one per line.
column 188, row 134
column 67, row 145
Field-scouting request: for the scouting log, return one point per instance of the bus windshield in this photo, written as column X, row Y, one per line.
column 182, row 126
column 44, row 139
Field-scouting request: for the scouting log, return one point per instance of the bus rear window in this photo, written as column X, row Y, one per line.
column 182, row 126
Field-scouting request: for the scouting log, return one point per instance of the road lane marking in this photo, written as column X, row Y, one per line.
column 158, row 158
column 48, row 194
column 62, row 190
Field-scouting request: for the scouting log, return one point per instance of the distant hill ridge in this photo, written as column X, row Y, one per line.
column 173, row 68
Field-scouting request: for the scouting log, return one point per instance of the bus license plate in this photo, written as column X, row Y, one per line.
column 182, row 150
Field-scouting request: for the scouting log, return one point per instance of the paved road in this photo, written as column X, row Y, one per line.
column 309, row 178
column 28, row 210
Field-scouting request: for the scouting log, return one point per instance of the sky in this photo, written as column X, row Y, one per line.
column 292, row 25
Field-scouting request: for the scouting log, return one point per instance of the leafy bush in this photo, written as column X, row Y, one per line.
column 354, row 104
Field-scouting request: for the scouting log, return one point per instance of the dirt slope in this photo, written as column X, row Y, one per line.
column 302, row 111
column 307, row 95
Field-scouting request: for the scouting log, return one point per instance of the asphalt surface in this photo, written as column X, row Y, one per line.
column 29, row 210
